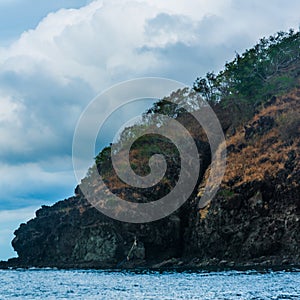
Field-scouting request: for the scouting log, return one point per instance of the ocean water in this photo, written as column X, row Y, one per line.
column 90, row 284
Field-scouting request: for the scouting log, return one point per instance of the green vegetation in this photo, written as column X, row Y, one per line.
column 141, row 151
column 226, row 193
column 269, row 68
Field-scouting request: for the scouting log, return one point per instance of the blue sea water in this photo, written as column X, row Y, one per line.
column 90, row 284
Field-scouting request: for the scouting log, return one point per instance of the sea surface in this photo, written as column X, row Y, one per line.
column 90, row 284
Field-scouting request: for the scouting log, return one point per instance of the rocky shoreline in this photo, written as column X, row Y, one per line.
column 253, row 220
column 173, row 264
column 252, row 223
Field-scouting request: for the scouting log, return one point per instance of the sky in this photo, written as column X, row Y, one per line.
column 56, row 56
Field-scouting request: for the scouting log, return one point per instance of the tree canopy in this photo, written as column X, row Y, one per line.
column 254, row 76
column 270, row 68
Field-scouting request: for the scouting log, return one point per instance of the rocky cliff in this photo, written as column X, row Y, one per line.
column 255, row 216
column 254, row 219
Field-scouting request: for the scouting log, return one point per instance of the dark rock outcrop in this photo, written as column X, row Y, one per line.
column 261, row 219
column 253, row 220
column 255, row 216
column 74, row 234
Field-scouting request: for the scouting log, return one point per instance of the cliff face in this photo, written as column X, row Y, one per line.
column 73, row 234
column 255, row 216
column 253, row 219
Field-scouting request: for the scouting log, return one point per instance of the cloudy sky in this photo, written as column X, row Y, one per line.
column 55, row 56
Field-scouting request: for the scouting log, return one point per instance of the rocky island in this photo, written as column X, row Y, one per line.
column 254, row 219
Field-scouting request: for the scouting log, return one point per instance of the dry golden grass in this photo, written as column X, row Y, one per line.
column 204, row 211
column 248, row 164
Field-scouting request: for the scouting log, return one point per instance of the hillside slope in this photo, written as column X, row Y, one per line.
column 253, row 220
column 256, row 214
